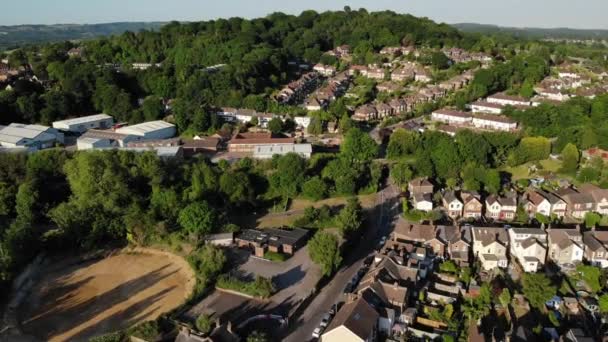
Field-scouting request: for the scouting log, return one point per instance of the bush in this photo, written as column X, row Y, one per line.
column 203, row 324
column 276, row 257
column 315, row 218
column 261, row 287
column 148, row 331
column 111, row 337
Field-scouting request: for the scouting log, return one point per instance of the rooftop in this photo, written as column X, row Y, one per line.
column 146, row 127
column 82, row 119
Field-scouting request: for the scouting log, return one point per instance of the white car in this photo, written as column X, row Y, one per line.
column 316, row 333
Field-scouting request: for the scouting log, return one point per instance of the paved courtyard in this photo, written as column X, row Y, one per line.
column 294, row 279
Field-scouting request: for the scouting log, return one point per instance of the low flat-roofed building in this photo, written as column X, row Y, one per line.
column 118, row 139
column 33, row 137
column 286, row 241
column 85, row 143
column 268, row 151
column 150, row 130
column 248, row 142
column 494, row 122
column 201, row 145
column 451, row 116
column 84, row 123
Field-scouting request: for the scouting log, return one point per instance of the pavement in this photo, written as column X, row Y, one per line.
column 380, row 223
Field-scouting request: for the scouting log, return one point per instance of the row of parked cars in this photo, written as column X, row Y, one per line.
column 327, row 317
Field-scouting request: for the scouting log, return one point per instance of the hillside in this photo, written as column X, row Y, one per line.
column 15, row 36
column 534, row 33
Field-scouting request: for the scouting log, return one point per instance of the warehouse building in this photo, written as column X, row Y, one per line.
column 86, row 143
column 85, row 123
column 32, row 137
column 267, row 151
column 150, row 130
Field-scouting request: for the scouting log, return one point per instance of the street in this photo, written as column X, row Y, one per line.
column 385, row 211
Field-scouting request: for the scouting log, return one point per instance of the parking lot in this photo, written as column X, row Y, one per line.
column 294, row 280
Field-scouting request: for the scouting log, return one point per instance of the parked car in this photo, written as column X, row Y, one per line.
column 317, row 332
column 325, row 320
column 382, row 241
column 333, row 310
column 348, row 288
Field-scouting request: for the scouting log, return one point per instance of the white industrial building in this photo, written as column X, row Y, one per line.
column 86, row 143
column 83, row 124
column 90, row 139
column 267, row 151
column 33, row 137
column 150, row 130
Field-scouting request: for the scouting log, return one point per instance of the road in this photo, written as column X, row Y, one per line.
column 385, row 211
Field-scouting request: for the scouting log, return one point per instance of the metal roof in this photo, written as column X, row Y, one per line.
column 15, row 132
column 146, row 127
column 81, row 120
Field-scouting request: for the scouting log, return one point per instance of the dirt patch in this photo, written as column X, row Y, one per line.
column 75, row 301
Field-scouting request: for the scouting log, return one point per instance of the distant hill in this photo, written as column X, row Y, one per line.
column 19, row 35
column 534, row 33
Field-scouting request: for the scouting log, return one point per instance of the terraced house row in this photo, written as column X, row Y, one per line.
column 567, row 202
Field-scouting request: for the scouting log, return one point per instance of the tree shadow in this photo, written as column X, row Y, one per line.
column 288, row 278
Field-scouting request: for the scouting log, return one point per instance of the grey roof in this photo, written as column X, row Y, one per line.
column 592, row 242
column 282, row 149
column 146, row 127
column 82, row 120
column 14, row 133
column 488, row 235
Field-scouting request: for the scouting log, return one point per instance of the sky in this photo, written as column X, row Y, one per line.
column 518, row 13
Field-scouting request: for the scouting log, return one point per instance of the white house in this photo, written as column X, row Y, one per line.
column 84, row 123
column 504, row 99
column 452, row 117
column 486, row 107
column 150, row 130
column 33, row 137
column 325, row 70
column 494, row 122
column 529, row 247
column 302, row 121
column 423, row 202
column 452, row 204
column 490, row 247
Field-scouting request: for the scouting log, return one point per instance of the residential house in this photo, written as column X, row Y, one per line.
column 501, row 208
column 365, row 113
column 343, row 50
column 314, row 104
column 566, row 246
column 376, row 73
column 325, row 70
column 494, row 122
column 486, row 107
column 452, row 117
column 420, row 185
column 600, row 197
column 356, row 321
column 423, row 201
column 402, row 74
column 459, row 245
column 511, row 100
column 472, row 206
column 387, row 283
column 596, row 247
column 398, row 105
column 388, row 87
column 384, row 110
column 529, row 247
column 452, row 204
column 558, row 205
column 535, row 203
column 578, row 204
column 490, row 247
column 422, row 75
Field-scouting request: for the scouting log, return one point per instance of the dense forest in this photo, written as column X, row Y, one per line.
column 534, row 32
column 256, row 52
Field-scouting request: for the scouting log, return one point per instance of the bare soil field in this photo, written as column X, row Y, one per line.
column 76, row 301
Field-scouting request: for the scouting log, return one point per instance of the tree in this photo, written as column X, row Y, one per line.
column 402, row 143
column 448, row 266
column 315, row 189
column 505, row 298
column 208, row 262
column 350, row 218
column 401, row 173
column 203, row 324
column 439, row 60
column 198, row 219
column 358, row 147
column 592, row 219
column 275, row 125
column 538, row 289
column 324, row 250
column 603, row 303
column 492, row 181
column 289, row 175
column 315, row 127
column 346, row 124
column 570, row 158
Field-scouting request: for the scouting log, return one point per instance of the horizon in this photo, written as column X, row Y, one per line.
column 484, row 12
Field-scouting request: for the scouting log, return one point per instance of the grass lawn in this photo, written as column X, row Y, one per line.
column 367, row 201
column 523, row 171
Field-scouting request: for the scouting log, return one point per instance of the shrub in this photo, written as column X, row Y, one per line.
column 261, row 287
column 274, row 256
column 203, row 324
